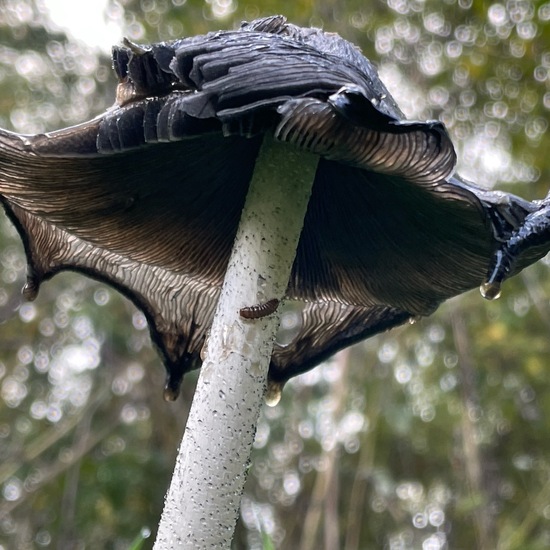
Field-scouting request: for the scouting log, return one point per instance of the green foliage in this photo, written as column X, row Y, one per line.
column 138, row 542
column 432, row 436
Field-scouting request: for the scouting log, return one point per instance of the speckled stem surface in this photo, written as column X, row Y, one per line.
column 202, row 504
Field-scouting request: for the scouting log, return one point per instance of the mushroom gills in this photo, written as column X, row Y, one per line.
column 147, row 196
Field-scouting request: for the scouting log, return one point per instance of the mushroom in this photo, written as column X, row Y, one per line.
column 147, row 196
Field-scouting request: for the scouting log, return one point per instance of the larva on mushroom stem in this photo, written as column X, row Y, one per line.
column 260, row 310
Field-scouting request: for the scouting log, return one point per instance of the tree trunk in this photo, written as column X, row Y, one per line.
column 202, row 504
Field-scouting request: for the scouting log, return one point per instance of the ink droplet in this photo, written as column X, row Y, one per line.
column 490, row 291
column 172, row 385
column 170, row 394
column 273, row 393
column 30, row 290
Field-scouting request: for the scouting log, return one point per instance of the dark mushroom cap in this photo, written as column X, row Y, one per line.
column 147, row 196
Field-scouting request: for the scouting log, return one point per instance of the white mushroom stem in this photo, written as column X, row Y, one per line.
column 202, row 504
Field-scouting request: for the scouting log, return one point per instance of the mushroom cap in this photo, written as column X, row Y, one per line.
column 148, row 195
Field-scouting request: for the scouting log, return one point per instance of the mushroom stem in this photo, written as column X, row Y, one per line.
column 202, row 504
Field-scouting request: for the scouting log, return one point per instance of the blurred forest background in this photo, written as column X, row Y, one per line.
column 433, row 436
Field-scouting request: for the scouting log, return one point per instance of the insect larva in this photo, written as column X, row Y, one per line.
column 260, row 310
